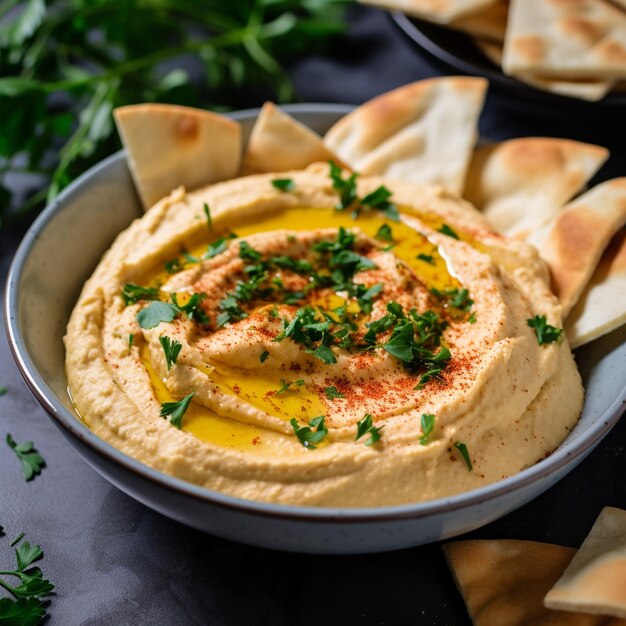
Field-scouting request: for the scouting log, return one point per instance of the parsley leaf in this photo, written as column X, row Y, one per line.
column 446, row 230
column 3, row 390
column 230, row 311
column 427, row 258
column 379, row 199
column 207, row 212
column 346, row 188
column 218, row 246
column 324, row 354
column 544, row 332
column 247, row 252
column 32, row 462
column 174, row 266
column 171, row 348
column 333, row 392
column 286, row 385
column 428, row 423
column 284, row 184
column 365, row 426
column 458, row 298
column 384, row 233
column 193, row 308
column 306, row 435
column 131, row 338
column 264, row 356
column 155, row 313
column 23, row 611
column 131, row 293
column 462, row 448
column 176, row 410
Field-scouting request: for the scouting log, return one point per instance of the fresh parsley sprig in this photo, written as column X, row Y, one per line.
column 428, row 423
column 366, row 426
column 333, row 393
column 544, row 332
column 462, row 448
column 176, row 410
column 312, row 434
column 32, row 462
column 171, row 349
column 286, row 385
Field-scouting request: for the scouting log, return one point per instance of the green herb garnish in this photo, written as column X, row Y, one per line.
column 247, row 252
column 458, row 298
column 384, row 233
column 171, row 348
column 155, row 313
column 427, row 258
column 428, row 423
column 366, row 426
column 207, row 213
column 28, row 608
column 3, row 390
column 193, row 309
column 176, row 410
column 285, row 385
column 218, row 246
column 174, row 266
column 446, row 230
column 306, row 435
column 462, row 448
column 379, row 200
column 544, row 332
column 284, row 184
column 131, row 293
column 264, row 356
column 333, row 392
column 346, row 188
column 32, row 462
column 131, row 338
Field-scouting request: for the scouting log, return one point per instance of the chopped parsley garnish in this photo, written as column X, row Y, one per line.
column 284, row 184
column 346, row 188
column 155, row 313
column 131, row 338
column 446, row 230
column 427, row 258
column 264, row 356
column 32, row 462
column 306, row 435
column 428, row 423
column 545, row 333
column 472, row 318
column 366, row 426
column 379, row 200
column 230, row 311
column 193, row 308
column 218, row 246
column 28, row 608
column 171, row 348
column 247, row 252
column 384, row 233
column 174, row 266
column 462, row 448
column 176, row 410
column 299, row 266
column 207, row 213
column 457, row 298
column 131, row 293
column 333, row 392
column 285, row 385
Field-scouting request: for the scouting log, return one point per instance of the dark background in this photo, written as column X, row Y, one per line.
column 116, row 562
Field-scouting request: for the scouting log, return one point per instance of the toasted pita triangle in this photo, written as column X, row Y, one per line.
column 279, row 143
column 170, row 146
column 504, row 582
column 585, row 38
column 573, row 241
column 521, row 183
column 591, row 90
column 595, row 580
column 602, row 305
column 423, row 132
column 432, row 10
column 489, row 22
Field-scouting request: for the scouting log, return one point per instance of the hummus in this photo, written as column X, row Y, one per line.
column 317, row 356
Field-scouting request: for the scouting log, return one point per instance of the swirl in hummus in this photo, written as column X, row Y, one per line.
column 318, row 356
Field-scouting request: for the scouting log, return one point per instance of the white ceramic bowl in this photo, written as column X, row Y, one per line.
column 59, row 253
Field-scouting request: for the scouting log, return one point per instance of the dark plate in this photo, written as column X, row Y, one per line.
column 457, row 50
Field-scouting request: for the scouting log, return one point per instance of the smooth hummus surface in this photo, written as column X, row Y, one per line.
column 261, row 342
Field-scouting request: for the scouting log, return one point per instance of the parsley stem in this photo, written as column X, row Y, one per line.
column 8, row 587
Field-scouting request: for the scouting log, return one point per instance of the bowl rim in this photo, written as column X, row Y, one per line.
column 73, row 427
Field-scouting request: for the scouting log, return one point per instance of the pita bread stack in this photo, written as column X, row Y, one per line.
column 574, row 48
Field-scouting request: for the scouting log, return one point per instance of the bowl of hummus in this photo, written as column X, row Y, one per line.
column 305, row 360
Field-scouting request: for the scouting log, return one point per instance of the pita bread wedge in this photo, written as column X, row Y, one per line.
column 602, row 305
column 565, row 39
column 591, row 90
column 595, row 580
column 440, row 11
column 279, row 143
column 489, row 22
column 504, row 582
column 521, row 183
column 574, row 240
column 170, row 146
column 422, row 132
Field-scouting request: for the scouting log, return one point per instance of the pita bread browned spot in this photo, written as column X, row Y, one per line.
column 574, row 240
column 489, row 22
column 565, row 39
column 521, row 183
column 504, row 582
column 440, row 11
column 423, row 132
column 591, row 90
column 602, row 305
column 170, row 146
column 595, row 580
column 279, row 143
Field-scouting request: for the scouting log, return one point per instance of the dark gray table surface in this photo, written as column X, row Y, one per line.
column 116, row 562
